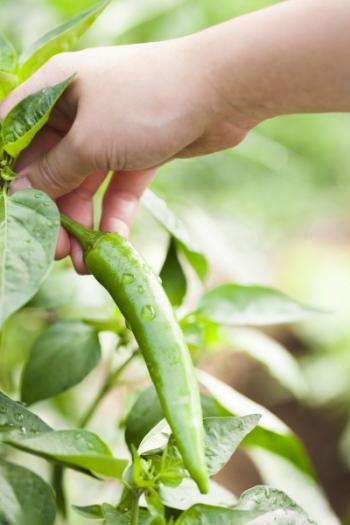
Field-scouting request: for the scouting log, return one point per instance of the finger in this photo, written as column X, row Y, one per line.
column 79, row 206
column 44, row 140
column 121, row 199
column 63, row 246
column 59, row 170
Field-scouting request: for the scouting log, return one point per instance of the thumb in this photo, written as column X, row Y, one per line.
column 57, row 172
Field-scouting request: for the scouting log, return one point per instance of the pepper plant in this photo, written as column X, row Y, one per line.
column 65, row 346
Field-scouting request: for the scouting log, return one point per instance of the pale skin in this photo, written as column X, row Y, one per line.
column 130, row 109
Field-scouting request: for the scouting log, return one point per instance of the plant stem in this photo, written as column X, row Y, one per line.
column 134, row 519
column 57, row 483
column 109, row 383
column 85, row 236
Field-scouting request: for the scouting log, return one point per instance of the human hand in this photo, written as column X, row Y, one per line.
column 128, row 109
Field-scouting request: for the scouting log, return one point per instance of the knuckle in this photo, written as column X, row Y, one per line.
column 50, row 177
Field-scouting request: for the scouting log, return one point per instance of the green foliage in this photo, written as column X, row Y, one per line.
column 23, row 122
column 235, row 304
column 63, row 38
column 259, row 505
column 160, row 211
column 7, row 83
column 271, row 433
column 29, row 223
column 8, row 56
column 25, row 499
column 60, row 358
column 173, row 277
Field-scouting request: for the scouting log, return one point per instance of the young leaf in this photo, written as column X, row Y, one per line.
column 160, row 211
column 115, row 517
column 156, row 440
column 260, row 505
column 173, row 277
column 91, row 512
column 8, row 82
column 58, row 40
column 15, row 415
column 271, row 433
column 187, row 494
column 222, row 435
column 63, row 355
column 25, row 499
column 23, row 121
column 8, row 55
column 172, row 467
column 29, row 224
column 72, row 448
column 236, row 304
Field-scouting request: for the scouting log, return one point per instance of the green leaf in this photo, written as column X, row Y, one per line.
column 63, row 355
column 72, row 448
column 160, row 211
column 29, row 225
column 8, row 55
column 144, row 415
column 115, row 517
column 279, row 472
column 154, row 502
column 156, row 440
column 173, row 277
column 271, row 433
column 91, row 512
column 259, row 506
column 14, row 415
column 273, row 356
column 23, row 121
column 8, row 82
column 222, row 435
column 25, row 499
column 187, row 494
column 236, row 304
column 172, row 467
column 58, row 40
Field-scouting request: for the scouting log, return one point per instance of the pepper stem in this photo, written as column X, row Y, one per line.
column 85, row 236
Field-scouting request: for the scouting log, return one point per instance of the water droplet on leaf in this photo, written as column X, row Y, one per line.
column 148, row 313
column 38, row 195
column 19, row 416
column 3, row 409
column 140, row 289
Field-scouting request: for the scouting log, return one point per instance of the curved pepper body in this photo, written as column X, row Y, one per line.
column 140, row 297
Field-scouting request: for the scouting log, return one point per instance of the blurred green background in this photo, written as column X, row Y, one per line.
column 274, row 210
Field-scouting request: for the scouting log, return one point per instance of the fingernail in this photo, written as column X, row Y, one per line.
column 21, row 183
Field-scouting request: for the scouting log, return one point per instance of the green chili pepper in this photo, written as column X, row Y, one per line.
column 140, row 297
